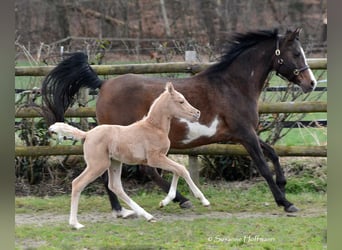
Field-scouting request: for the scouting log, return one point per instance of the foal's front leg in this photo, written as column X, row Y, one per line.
column 162, row 161
column 164, row 185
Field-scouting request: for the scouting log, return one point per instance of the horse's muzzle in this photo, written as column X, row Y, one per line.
column 309, row 88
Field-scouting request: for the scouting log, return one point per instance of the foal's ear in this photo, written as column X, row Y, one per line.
column 169, row 87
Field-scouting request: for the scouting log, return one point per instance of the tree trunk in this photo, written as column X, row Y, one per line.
column 166, row 20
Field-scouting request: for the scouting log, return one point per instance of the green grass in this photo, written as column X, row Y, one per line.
column 249, row 219
column 305, row 136
column 232, row 233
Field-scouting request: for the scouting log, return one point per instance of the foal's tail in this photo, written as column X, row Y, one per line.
column 62, row 84
column 63, row 129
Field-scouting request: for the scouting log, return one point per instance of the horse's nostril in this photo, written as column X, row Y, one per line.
column 312, row 83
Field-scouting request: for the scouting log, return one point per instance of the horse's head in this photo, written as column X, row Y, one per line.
column 290, row 61
column 179, row 107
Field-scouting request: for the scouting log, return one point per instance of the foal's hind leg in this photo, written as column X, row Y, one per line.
column 163, row 184
column 114, row 179
column 78, row 184
column 117, row 209
column 272, row 155
column 172, row 191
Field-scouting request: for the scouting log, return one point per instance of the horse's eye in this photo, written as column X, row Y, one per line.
column 297, row 54
column 181, row 102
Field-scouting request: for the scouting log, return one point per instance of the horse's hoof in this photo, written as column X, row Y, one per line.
column 186, row 204
column 291, row 209
column 161, row 204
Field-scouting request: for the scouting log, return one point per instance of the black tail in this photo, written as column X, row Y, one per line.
column 62, row 84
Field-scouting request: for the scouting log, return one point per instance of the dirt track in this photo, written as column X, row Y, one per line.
column 46, row 218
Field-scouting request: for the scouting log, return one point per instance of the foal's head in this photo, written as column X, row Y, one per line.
column 290, row 61
column 178, row 107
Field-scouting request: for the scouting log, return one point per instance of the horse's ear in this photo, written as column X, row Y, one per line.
column 169, row 87
column 292, row 35
column 297, row 32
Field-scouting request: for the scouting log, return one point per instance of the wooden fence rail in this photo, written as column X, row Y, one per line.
column 279, row 107
column 212, row 149
column 147, row 68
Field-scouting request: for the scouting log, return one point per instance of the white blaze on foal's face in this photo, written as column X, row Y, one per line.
column 196, row 130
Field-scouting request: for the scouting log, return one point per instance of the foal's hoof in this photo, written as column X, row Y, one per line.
column 291, row 209
column 206, row 203
column 77, row 226
column 124, row 213
column 152, row 220
column 186, row 204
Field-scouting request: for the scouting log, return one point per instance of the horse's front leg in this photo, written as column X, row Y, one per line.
column 165, row 185
column 272, row 155
column 251, row 143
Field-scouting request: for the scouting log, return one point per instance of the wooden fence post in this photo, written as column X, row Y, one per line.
column 193, row 168
column 82, row 102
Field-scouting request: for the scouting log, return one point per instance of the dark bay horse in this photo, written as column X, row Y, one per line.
column 226, row 93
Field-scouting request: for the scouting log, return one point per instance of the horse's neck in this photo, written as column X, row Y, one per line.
column 158, row 116
column 255, row 74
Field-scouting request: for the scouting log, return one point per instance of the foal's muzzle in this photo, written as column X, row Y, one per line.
column 197, row 115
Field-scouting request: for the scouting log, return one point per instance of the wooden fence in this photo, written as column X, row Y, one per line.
column 147, row 68
column 181, row 67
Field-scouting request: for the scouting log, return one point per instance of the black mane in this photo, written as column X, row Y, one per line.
column 238, row 43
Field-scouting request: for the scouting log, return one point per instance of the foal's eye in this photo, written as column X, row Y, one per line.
column 181, row 102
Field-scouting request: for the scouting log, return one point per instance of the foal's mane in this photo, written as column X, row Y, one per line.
column 237, row 44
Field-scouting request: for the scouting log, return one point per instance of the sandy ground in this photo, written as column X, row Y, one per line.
column 49, row 218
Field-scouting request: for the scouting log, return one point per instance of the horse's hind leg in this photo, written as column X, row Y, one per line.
column 165, row 186
column 114, row 183
column 272, row 155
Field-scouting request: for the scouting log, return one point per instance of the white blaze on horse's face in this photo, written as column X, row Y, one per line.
column 196, row 130
column 312, row 76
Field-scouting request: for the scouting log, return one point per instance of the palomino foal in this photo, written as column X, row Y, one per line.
column 106, row 147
